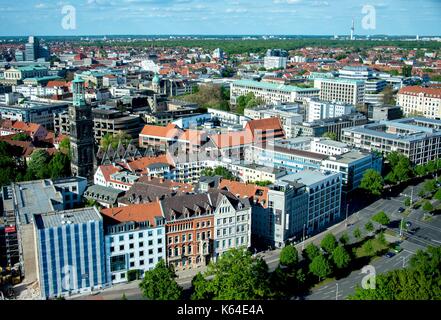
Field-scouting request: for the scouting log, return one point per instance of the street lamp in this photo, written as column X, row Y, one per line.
column 303, row 238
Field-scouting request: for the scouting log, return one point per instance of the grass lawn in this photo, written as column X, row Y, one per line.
column 377, row 247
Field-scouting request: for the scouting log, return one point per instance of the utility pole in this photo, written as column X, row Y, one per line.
column 401, row 227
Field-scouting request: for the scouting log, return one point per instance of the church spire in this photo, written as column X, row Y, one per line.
column 78, row 90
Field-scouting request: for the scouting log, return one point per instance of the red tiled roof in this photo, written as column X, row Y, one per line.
column 141, row 164
column 414, row 90
column 135, row 212
column 265, row 125
column 108, row 170
column 170, row 131
column 251, row 191
column 232, row 139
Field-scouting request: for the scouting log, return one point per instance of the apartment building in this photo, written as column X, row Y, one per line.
column 270, row 93
column 422, row 101
column 417, row 138
column 274, row 62
column 341, row 90
column 134, row 240
column 70, row 253
column 328, row 147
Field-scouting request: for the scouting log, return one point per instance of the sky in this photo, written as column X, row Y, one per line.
column 220, row 17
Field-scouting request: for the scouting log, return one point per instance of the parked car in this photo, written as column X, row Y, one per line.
column 389, row 255
column 401, row 210
column 408, row 224
column 397, row 249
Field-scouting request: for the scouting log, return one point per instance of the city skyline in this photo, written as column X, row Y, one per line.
column 231, row 17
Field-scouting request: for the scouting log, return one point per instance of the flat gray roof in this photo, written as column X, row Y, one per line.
column 33, row 197
column 58, row 219
column 307, row 177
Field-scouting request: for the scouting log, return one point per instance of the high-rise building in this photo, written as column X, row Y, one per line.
column 81, row 132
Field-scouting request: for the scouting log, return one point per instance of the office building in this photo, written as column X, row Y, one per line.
column 341, row 90
column 34, row 112
column 319, row 110
column 328, row 147
column 270, row 93
column 420, row 101
column 70, row 253
column 324, row 197
column 352, row 165
column 384, row 112
column 356, row 73
column 134, row 240
column 417, row 138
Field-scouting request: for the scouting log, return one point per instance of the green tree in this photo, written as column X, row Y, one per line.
column 369, row 226
column 381, row 238
column 357, row 233
column 114, row 140
column 21, row 137
column 344, row 239
column 289, row 256
column 368, row 247
column 381, row 218
column 406, row 71
column 201, row 288
column 218, row 171
column 311, row 251
column 160, row 284
column 407, row 202
column 237, row 275
column 37, row 166
column 372, row 182
column 65, row 146
column 401, row 168
column 320, row 267
column 330, row 135
column 437, row 195
column 59, row 166
column 427, row 206
column 419, row 281
column 388, row 96
column 420, row 170
column 341, row 257
column 329, row 243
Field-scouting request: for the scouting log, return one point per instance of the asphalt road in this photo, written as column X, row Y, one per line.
column 346, row 286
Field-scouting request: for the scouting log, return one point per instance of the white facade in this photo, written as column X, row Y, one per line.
column 274, row 62
column 425, row 102
column 138, row 249
column 232, row 227
column 319, row 110
column 30, row 91
column 341, row 90
column 328, row 147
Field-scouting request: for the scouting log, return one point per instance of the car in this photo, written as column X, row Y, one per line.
column 389, row 255
column 408, row 224
column 401, row 210
column 397, row 249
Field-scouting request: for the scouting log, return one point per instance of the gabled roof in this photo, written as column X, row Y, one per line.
column 108, row 170
column 141, row 165
column 232, row 139
column 414, row 90
column 135, row 212
column 170, row 131
column 250, row 191
column 264, row 125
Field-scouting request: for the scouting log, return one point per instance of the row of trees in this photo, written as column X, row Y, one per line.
column 247, row 101
column 420, row 281
column 218, row 171
column 398, row 169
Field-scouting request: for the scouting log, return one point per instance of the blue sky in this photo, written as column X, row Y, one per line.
column 309, row 17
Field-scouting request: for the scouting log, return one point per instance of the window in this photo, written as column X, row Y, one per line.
column 131, row 236
column 131, row 246
column 159, row 250
column 150, row 242
column 112, row 249
column 150, row 233
column 141, row 244
column 121, row 248
column 189, row 237
column 176, row 239
column 141, row 253
column 150, row 251
column 141, row 262
column 132, row 264
column 121, row 238
column 183, row 238
column 151, row 261
column 159, row 241
column 132, row 255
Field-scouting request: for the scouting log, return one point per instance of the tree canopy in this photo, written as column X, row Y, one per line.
column 218, row 171
column 289, row 256
column 372, row 182
column 341, row 257
column 160, row 284
column 320, row 267
column 421, row 280
column 329, row 243
column 236, row 275
column 381, row 218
